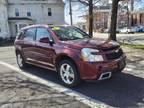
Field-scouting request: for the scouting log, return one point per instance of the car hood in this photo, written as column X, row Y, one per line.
column 91, row 43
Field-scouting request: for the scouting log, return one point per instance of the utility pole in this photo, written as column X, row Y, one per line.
column 70, row 13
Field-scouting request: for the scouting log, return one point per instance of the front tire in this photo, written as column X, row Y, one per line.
column 68, row 73
column 20, row 61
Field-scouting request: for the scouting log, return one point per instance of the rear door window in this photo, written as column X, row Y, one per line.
column 30, row 34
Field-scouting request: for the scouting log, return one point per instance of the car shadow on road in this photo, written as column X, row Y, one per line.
column 122, row 90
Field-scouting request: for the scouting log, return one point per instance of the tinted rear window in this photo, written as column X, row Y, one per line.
column 30, row 34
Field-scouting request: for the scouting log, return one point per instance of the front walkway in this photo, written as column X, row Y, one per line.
column 18, row 91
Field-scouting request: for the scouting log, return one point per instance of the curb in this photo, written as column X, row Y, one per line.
column 61, row 89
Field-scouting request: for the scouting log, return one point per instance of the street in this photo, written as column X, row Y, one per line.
column 19, row 91
column 122, row 90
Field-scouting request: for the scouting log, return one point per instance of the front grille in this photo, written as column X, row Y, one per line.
column 114, row 55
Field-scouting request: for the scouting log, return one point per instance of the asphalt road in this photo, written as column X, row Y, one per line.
column 124, row 90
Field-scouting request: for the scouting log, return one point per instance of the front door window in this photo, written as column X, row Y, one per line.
column 42, row 33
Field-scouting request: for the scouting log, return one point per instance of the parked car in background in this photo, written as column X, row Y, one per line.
column 69, row 51
column 100, row 30
column 136, row 29
column 127, row 30
column 143, row 29
column 108, row 31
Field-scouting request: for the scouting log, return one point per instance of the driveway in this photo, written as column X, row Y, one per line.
column 124, row 90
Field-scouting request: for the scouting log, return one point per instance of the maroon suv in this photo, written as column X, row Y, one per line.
column 69, row 51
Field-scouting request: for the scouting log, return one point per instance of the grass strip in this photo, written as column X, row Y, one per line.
column 132, row 46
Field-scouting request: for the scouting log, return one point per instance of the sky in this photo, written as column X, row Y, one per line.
column 139, row 5
column 77, row 9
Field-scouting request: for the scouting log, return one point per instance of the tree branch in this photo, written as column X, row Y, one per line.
column 85, row 2
column 96, row 2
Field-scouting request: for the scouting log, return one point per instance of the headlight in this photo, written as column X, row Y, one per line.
column 88, row 56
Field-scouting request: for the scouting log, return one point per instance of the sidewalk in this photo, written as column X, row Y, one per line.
column 135, row 39
column 18, row 91
column 139, row 40
column 135, row 61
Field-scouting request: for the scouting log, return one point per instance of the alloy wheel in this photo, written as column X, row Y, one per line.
column 67, row 73
column 19, row 60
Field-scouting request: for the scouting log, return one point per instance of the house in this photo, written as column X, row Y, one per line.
column 15, row 14
column 101, row 17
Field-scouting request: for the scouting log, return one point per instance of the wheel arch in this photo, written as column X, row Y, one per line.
column 17, row 51
column 65, row 57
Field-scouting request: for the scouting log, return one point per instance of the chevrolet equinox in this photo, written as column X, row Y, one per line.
column 69, row 51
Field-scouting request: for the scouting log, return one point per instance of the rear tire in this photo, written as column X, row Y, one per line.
column 20, row 61
column 68, row 73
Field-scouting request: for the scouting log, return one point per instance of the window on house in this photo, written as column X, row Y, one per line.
column 16, row 12
column 0, row 29
column 29, row 14
column 49, row 12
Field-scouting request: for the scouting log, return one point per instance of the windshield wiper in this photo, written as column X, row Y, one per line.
column 64, row 39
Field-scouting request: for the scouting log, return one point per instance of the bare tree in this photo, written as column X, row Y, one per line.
column 90, row 4
column 114, row 15
column 114, row 19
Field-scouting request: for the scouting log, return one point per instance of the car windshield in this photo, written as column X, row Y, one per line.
column 66, row 33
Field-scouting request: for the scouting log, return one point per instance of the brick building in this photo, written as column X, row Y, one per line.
column 137, row 18
column 102, row 17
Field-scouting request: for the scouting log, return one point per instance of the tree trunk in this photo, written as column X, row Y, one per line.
column 114, row 20
column 91, row 17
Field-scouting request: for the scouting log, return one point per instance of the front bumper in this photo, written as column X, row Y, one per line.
column 93, row 71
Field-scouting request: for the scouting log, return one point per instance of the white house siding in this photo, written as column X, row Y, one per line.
column 39, row 13
column 4, row 29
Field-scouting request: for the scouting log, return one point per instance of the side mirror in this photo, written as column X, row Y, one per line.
column 46, row 40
